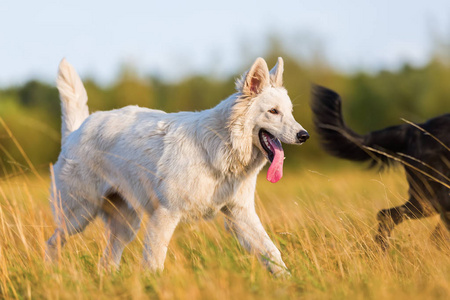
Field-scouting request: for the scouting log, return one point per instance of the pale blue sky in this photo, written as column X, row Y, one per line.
column 175, row 38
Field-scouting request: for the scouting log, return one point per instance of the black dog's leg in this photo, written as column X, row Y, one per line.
column 441, row 235
column 444, row 203
column 388, row 218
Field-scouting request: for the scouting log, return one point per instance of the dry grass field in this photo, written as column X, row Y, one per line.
column 323, row 222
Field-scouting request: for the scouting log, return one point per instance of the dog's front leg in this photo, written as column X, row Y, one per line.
column 158, row 233
column 245, row 223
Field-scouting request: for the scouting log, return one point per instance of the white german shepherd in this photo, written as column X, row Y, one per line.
column 126, row 162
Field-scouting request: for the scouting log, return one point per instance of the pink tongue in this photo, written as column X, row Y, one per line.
column 275, row 171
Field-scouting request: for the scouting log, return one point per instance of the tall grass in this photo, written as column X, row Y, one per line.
column 322, row 221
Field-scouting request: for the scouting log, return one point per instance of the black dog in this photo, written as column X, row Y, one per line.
column 423, row 149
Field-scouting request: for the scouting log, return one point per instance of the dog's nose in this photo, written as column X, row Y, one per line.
column 302, row 136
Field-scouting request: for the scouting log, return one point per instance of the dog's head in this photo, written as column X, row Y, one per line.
column 266, row 110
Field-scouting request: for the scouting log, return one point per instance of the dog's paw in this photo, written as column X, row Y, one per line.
column 279, row 270
column 382, row 241
column 282, row 274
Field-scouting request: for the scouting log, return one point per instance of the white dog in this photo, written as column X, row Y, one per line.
column 176, row 166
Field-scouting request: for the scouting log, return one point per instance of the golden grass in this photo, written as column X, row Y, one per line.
column 324, row 225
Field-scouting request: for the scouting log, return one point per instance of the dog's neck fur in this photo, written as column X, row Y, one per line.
column 235, row 142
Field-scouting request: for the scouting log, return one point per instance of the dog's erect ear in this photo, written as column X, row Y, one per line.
column 256, row 79
column 276, row 74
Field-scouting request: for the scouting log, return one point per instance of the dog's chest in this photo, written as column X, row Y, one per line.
column 207, row 201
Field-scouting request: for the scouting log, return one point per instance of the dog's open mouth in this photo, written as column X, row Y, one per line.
column 275, row 154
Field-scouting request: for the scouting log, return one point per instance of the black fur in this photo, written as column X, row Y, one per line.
column 423, row 149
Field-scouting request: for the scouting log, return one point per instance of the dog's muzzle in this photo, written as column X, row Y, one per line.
column 302, row 136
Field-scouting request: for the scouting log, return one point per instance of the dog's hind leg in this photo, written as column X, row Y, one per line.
column 54, row 245
column 123, row 223
column 159, row 231
column 389, row 218
column 72, row 217
column 441, row 234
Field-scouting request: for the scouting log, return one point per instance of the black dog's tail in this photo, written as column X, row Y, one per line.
column 339, row 140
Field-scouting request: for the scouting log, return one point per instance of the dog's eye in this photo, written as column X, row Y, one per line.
column 273, row 111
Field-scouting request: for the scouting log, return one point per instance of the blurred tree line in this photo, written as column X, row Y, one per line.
column 31, row 112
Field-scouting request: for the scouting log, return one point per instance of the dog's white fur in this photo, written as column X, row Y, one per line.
column 176, row 166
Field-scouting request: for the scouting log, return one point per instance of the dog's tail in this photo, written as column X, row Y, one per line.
column 74, row 109
column 337, row 139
